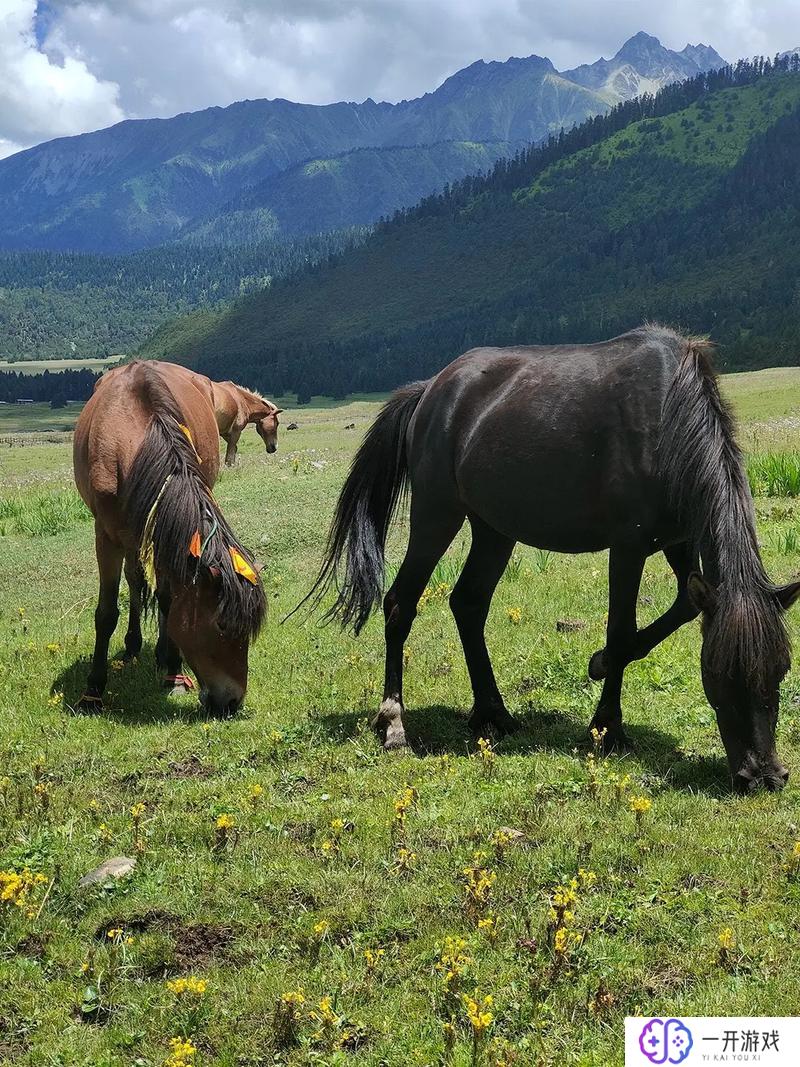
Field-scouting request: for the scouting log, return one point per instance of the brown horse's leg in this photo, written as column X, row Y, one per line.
column 135, row 580
column 428, row 541
column 683, row 560
column 109, row 564
column 230, row 452
column 168, row 655
column 470, row 600
column 625, row 566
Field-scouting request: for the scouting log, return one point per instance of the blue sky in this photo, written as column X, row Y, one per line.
column 67, row 66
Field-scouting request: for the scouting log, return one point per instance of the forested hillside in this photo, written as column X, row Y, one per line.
column 62, row 305
column 681, row 207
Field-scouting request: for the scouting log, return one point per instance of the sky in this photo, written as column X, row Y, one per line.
column 68, row 66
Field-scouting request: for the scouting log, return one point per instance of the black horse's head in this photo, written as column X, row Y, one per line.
column 744, row 659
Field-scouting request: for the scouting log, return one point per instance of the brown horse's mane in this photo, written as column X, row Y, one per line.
column 166, row 476
column 702, row 465
column 253, row 395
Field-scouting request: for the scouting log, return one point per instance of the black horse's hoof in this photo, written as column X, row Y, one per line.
column 497, row 720
column 597, row 666
column 89, row 702
column 388, row 724
column 130, row 657
column 614, row 739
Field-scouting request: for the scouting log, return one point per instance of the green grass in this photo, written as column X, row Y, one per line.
column 775, row 474
column 268, row 907
column 42, row 514
column 39, row 366
column 37, row 418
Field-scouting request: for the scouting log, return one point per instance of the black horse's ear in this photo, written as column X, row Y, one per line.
column 702, row 594
column 787, row 594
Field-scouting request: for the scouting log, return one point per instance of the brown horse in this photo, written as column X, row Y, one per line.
column 146, row 456
column 236, row 407
column 625, row 445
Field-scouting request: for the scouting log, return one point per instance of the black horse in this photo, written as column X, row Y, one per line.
column 625, row 445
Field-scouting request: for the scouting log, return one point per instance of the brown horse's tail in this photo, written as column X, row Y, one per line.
column 354, row 555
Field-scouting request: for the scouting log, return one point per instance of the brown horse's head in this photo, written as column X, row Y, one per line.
column 267, row 429
column 744, row 659
column 215, row 651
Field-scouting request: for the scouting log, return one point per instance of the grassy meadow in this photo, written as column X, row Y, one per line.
column 302, row 897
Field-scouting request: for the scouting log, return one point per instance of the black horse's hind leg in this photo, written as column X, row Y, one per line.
column 470, row 602
column 106, row 616
column 428, row 541
column 625, row 566
column 135, row 580
column 168, row 655
column 683, row 560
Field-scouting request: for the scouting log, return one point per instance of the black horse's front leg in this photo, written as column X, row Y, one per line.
column 683, row 559
column 625, row 567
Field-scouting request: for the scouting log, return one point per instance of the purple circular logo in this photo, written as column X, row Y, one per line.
column 665, row 1041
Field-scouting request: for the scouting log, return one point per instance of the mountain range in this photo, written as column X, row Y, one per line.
column 274, row 168
column 682, row 207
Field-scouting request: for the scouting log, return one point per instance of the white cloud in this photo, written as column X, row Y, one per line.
column 100, row 59
column 39, row 96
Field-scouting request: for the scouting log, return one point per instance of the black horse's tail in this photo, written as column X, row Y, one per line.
column 354, row 554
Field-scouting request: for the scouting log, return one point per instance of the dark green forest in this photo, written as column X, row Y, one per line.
column 62, row 305
column 680, row 207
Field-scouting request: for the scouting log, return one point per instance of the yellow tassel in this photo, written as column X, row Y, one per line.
column 241, row 566
column 188, row 435
column 146, row 551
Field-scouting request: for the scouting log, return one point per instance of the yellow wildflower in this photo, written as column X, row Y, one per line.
column 295, row 997
column 478, row 1013
column 372, row 958
column 727, row 940
column 182, row 1052
column 192, row 986
column 488, row 925
column 514, row 616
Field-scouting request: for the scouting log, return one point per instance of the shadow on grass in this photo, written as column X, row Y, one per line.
column 438, row 729
column 134, row 695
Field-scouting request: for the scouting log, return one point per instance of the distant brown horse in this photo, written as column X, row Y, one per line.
column 625, row 445
column 234, row 408
column 146, row 455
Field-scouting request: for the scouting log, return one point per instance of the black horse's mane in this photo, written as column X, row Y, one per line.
column 166, row 501
column 705, row 474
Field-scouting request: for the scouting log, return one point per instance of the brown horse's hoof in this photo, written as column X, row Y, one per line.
column 178, row 685
column 597, row 666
